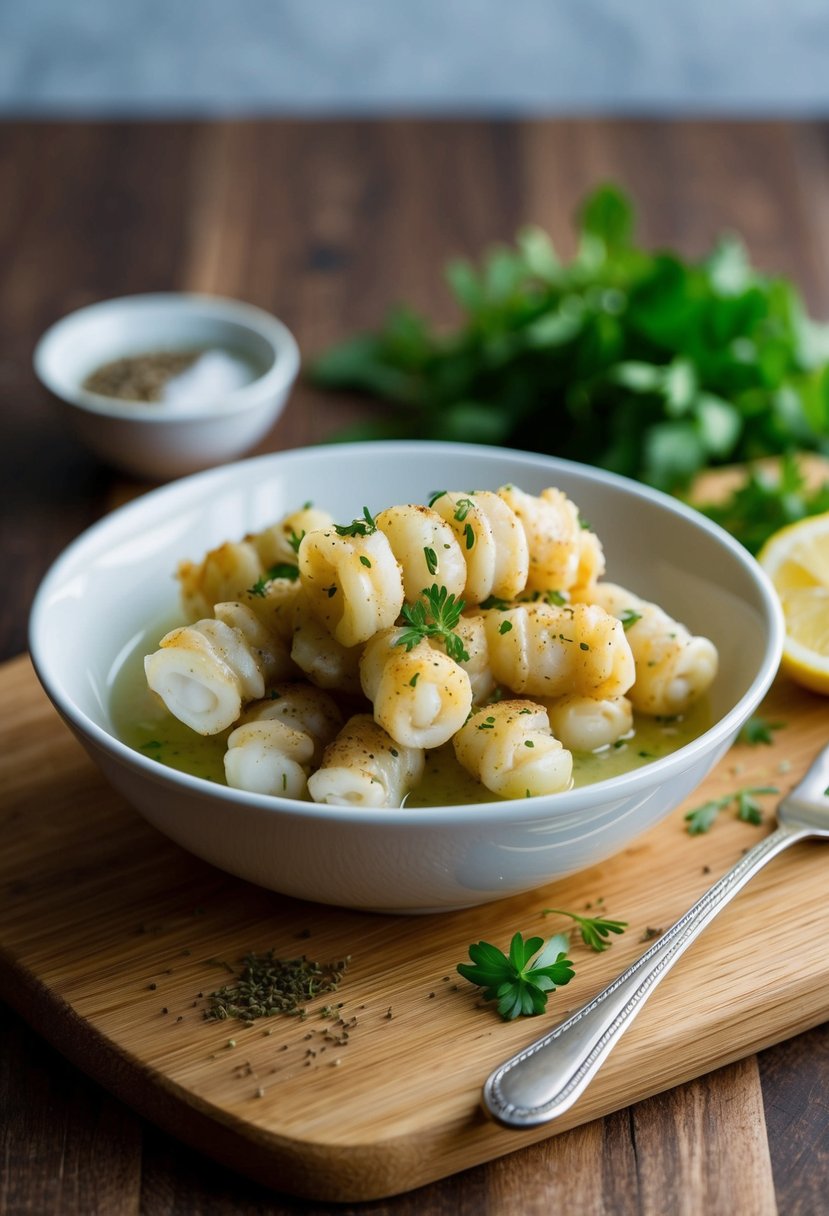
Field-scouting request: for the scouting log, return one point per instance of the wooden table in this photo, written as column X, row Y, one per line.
column 325, row 224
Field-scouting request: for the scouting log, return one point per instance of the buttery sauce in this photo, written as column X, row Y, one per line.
column 142, row 722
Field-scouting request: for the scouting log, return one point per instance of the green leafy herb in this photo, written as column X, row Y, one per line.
column 295, row 539
column 594, row 930
column 365, row 561
column 629, row 617
column 643, row 362
column 758, row 730
column 768, row 500
column 431, row 560
column 358, row 527
column 462, row 508
column 505, row 627
column 521, row 981
column 701, row 818
column 435, row 616
column 280, row 570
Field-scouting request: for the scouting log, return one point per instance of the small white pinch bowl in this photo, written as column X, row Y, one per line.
column 151, row 439
column 100, row 595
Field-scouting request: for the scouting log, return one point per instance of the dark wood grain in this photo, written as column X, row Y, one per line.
column 326, row 223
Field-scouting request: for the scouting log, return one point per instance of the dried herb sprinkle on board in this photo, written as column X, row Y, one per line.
column 268, row 985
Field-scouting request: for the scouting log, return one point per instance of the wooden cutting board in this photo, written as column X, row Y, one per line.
column 111, row 937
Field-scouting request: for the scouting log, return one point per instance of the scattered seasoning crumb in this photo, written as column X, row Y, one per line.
column 152, row 987
column 231, row 1042
column 389, row 1014
column 706, row 869
column 431, row 996
column 336, row 1063
column 179, row 1018
column 304, row 933
column 268, row 1031
column 260, row 1093
column 268, row 985
column 165, row 1009
column 650, row 933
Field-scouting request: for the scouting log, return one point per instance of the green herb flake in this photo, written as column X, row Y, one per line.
column 629, row 617
column 431, row 560
column 358, row 527
column 365, row 561
column 437, row 615
column 595, row 930
column 505, row 627
column 757, row 730
column 702, row 818
column 522, row 980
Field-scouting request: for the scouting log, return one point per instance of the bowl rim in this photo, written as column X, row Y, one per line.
column 275, row 380
column 544, row 808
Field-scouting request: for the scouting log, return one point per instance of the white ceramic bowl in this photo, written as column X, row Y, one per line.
column 116, row 578
column 149, row 439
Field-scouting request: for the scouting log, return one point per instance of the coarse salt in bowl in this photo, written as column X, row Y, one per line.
column 115, row 580
column 217, row 412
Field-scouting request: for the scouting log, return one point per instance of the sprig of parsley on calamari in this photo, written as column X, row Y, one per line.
column 436, row 615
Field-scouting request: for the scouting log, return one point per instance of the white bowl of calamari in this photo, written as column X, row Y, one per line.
column 405, row 676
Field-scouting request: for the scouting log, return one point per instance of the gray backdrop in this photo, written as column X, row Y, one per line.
column 86, row 57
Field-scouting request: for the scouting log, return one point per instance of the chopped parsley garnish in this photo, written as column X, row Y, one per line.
column 701, row 818
column 629, row 617
column 435, row 616
column 462, row 508
column 431, row 560
column 505, row 627
column 358, row 527
column 280, row 570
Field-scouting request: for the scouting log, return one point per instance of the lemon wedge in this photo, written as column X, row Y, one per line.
column 796, row 559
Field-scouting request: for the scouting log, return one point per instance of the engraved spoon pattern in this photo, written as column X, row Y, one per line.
column 546, row 1078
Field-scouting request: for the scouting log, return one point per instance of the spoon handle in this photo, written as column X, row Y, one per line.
column 546, row 1078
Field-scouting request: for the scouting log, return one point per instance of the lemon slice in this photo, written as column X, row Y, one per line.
column 796, row 559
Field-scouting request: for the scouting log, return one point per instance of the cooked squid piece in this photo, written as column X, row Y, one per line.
column 562, row 552
column 268, row 757
column 324, row 660
column 275, row 603
column 492, row 542
column 584, row 724
column 472, row 632
column 674, row 668
column 225, row 574
column 426, row 549
column 270, row 651
column 302, row 707
column 204, row 674
column 509, row 748
column 278, row 544
column 280, row 739
column 421, row 697
column 353, row 583
column 364, row 766
column 549, row 651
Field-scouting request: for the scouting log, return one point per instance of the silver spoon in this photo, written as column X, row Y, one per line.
column 546, row 1078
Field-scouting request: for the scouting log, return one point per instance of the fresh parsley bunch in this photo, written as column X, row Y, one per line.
column 642, row 362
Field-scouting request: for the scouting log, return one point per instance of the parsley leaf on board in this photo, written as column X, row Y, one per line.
column 759, row 730
column 701, row 819
column 522, row 980
column 594, row 930
column 639, row 361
